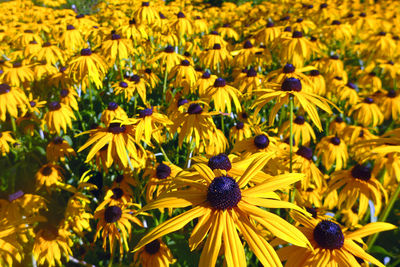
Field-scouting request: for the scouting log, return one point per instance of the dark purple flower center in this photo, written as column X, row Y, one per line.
column 288, row 68
column 185, row 63
column 70, row 27
column 299, row 20
column 251, row 72
column 247, row 45
column 239, row 125
column 58, row 140
column 181, row 15
column 28, row 31
column 391, row 93
column 4, row 88
column 314, row 73
column 195, row 109
column 135, row 78
column 368, row 100
column 17, row 64
column 299, row 120
column 53, row 106
column 217, row 47
column 80, row 16
column 270, row 24
column 145, row 112
column 153, row 247
column 112, row 214
column 169, row 49
column 123, row 84
column 335, row 140
column 46, row 171
column 381, row 33
column 291, row 84
column 163, row 171
column 115, row 36
column 372, row 74
column 206, row 75
column 305, row 152
column 335, row 57
column 64, row 93
column 287, row 29
column 15, row 195
column 86, row 52
column 132, row 22
column 223, row 193
column 182, row 101
column 351, row 85
column 361, row 172
column 339, row 119
column 47, row 44
column 219, row 82
column 324, row 5
column 117, row 193
column 336, row 22
column 145, row 3
column 214, row 33
column 119, row 178
column 261, row 141
column 297, row 34
column 220, row 162
column 162, row 16
column 116, row 128
column 328, row 235
column 313, row 211
column 33, row 42
column 112, row 106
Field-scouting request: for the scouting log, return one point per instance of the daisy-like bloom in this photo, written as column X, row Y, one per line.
column 52, row 243
column 218, row 58
column 245, row 57
column 149, row 124
column 49, row 175
column 169, row 58
column 42, row 70
column 213, row 38
column 331, row 67
column 338, row 30
column 154, row 254
column 60, row 79
column 72, row 39
column 223, row 95
column 225, row 205
column 68, row 97
column 32, row 48
column 337, row 126
column 134, row 31
column 369, row 81
column 291, row 87
column 59, row 117
column 228, row 32
column 5, row 140
column 146, row 14
column 367, row 113
column 303, row 25
column 17, row 74
column 49, row 53
column 318, row 82
column 358, row 186
column 89, row 67
column 77, row 214
column 333, row 150
column 185, row 76
column 296, row 49
column 259, row 142
column 268, row 34
column 240, row 131
column 116, row 141
column 249, row 82
column 10, row 249
column 116, row 196
column 195, row 124
column 58, row 149
column 150, row 77
column 25, row 37
column 117, row 50
column 348, row 94
column 333, row 245
column 390, row 105
column 160, row 178
column 125, row 181
column 12, row 100
column 112, row 112
column 182, row 25
column 204, row 82
column 115, row 225
column 302, row 131
column 383, row 45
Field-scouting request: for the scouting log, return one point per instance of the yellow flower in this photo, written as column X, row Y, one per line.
column 117, row 50
column 49, row 53
column 333, row 150
column 68, row 97
column 223, row 95
column 49, row 175
column 185, row 76
column 58, row 149
column 169, row 58
column 332, row 245
column 154, row 254
column 58, row 117
column 224, row 205
column 72, row 39
column 240, row 131
column 5, row 141
column 367, row 113
column 18, row 74
column 12, row 99
column 217, row 58
column 112, row 112
column 302, row 131
column 147, row 15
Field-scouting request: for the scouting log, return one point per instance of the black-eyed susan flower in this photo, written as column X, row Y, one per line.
column 134, row 31
column 348, row 93
column 112, row 112
column 117, row 142
column 359, row 186
column 49, row 175
column 223, row 204
column 269, row 33
column 182, row 25
column 117, row 50
column 217, row 58
column 332, row 244
column 72, row 39
column 152, row 79
column 184, row 75
column 291, row 87
column 390, row 105
column 302, row 131
column 369, row 81
column 88, row 68
column 249, row 82
column 332, row 150
column 12, row 100
column 156, row 254
column 259, row 142
column 223, row 95
column 50, row 53
column 245, row 56
column 147, row 14
column 59, row 149
column 58, row 117
column 168, row 58
column 210, row 40
column 367, row 113
column 240, row 131
column 337, row 126
column 318, row 83
column 69, row 97
column 116, row 196
column 228, row 32
column 204, row 82
column 51, row 244
column 115, row 225
column 5, row 140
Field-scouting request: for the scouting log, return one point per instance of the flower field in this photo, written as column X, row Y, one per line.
column 152, row 134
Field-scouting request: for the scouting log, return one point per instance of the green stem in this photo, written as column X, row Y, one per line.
column 91, row 96
column 14, row 126
column 121, row 72
column 291, row 133
column 222, row 123
column 385, row 214
column 165, row 80
column 110, row 263
column 164, row 154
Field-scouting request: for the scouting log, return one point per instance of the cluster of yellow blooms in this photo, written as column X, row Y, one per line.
column 167, row 115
